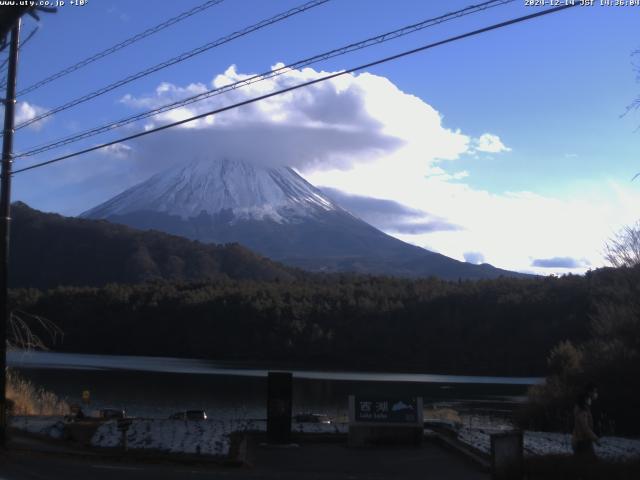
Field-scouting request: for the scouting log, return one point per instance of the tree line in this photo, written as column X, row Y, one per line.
column 504, row 326
column 609, row 357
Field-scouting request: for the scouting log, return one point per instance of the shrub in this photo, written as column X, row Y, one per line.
column 25, row 398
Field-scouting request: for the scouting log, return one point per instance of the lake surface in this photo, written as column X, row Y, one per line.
column 157, row 386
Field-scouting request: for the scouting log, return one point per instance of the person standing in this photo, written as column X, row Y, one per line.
column 583, row 436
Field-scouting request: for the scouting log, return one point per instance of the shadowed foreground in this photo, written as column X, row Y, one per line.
column 317, row 461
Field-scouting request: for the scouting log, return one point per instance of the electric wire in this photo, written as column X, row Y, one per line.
column 262, row 77
column 180, row 58
column 125, row 43
column 3, row 67
column 305, row 84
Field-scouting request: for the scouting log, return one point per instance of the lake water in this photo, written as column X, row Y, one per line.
column 157, row 387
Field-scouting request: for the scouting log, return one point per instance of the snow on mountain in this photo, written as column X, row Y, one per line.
column 276, row 213
column 214, row 186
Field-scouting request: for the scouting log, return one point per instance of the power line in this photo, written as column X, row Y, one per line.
column 305, row 84
column 125, row 43
column 31, row 34
column 263, row 76
column 180, row 58
column 22, row 44
column 267, row 75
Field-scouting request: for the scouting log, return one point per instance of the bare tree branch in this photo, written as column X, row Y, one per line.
column 623, row 250
column 21, row 331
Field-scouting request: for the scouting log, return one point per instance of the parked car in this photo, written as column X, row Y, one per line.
column 111, row 413
column 189, row 415
column 312, row 418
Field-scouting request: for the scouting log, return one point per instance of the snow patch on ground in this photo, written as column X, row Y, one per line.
column 208, row 437
column 548, row 443
column 48, row 426
column 204, row 437
column 212, row 437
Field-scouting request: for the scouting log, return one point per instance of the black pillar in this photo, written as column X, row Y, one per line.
column 279, row 405
column 5, row 219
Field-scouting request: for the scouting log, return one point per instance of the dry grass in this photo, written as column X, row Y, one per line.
column 25, row 398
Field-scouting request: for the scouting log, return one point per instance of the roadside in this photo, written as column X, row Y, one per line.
column 318, row 451
column 314, row 457
column 25, row 443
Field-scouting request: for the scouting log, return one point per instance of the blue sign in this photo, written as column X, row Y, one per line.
column 386, row 410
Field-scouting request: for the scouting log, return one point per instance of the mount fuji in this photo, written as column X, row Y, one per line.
column 277, row 213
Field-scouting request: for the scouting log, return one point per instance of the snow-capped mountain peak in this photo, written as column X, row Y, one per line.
column 213, row 186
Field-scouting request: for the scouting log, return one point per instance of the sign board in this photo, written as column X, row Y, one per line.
column 385, row 421
column 123, row 426
column 124, row 423
column 385, row 410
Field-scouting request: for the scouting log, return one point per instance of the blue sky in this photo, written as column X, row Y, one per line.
column 552, row 91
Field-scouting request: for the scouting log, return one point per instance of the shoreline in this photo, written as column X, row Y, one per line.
column 90, row 361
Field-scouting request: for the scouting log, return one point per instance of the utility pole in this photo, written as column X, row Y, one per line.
column 5, row 220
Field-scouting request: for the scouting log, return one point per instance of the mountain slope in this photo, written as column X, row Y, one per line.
column 276, row 213
column 247, row 192
column 48, row 250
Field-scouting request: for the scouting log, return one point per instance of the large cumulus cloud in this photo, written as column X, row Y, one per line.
column 349, row 120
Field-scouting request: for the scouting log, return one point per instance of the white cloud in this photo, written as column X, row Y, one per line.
column 118, row 150
column 165, row 93
column 347, row 121
column 509, row 228
column 473, row 257
column 26, row 111
column 490, row 143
